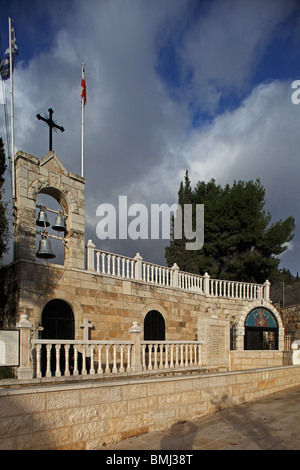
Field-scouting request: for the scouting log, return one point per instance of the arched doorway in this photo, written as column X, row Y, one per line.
column 261, row 330
column 58, row 320
column 58, row 323
column 154, row 326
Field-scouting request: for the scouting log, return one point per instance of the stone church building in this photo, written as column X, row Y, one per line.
column 236, row 322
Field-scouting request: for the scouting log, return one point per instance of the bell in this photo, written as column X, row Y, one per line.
column 42, row 220
column 59, row 223
column 45, row 250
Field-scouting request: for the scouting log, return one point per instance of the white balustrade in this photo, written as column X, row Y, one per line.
column 156, row 274
column 170, row 354
column 65, row 358
column 135, row 268
column 56, row 358
column 115, row 265
column 234, row 289
column 191, row 282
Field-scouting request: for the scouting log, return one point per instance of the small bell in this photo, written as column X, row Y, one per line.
column 42, row 220
column 45, row 250
column 59, row 223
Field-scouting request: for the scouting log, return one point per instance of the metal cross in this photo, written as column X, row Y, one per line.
column 49, row 121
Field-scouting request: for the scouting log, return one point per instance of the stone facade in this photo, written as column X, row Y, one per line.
column 87, row 413
column 111, row 303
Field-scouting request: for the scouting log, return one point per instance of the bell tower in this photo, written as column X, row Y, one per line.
column 48, row 176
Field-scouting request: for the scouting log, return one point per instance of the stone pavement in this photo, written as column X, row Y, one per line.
column 267, row 424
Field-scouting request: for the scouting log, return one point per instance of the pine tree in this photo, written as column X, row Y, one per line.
column 240, row 242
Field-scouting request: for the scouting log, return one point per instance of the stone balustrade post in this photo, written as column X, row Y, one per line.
column 138, row 267
column 206, row 283
column 267, row 290
column 175, row 270
column 90, row 256
column 296, row 352
column 136, row 331
column 24, row 370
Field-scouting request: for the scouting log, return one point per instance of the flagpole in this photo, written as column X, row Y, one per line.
column 12, row 113
column 82, row 122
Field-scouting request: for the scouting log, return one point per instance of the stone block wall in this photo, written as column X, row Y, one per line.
column 291, row 318
column 244, row 360
column 90, row 415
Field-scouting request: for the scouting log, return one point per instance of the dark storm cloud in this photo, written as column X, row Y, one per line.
column 139, row 137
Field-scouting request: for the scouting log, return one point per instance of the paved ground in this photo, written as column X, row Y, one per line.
column 267, row 424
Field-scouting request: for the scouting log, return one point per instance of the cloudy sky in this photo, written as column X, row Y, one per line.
column 171, row 85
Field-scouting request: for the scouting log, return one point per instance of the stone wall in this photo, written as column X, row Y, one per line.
column 90, row 415
column 291, row 318
column 244, row 360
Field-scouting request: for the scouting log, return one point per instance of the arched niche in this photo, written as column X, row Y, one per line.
column 58, row 320
column 58, row 323
column 261, row 330
column 154, row 326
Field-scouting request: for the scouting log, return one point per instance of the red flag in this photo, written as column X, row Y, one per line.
column 83, row 88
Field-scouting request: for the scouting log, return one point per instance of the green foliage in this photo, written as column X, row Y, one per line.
column 240, row 242
column 6, row 373
column 4, row 230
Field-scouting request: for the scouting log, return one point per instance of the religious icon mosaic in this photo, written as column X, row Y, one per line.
column 261, row 317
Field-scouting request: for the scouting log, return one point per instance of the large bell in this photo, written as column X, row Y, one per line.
column 42, row 220
column 45, row 250
column 59, row 223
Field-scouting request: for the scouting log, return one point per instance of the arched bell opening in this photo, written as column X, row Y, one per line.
column 51, row 227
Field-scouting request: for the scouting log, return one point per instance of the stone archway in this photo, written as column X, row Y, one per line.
column 154, row 326
column 58, row 320
column 239, row 327
column 261, row 330
column 153, row 306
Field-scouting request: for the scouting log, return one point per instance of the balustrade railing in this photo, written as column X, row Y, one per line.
column 191, row 282
column 57, row 358
column 136, row 269
column 115, row 265
column 156, row 274
column 234, row 289
column 65, row 358
column 170, row 354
